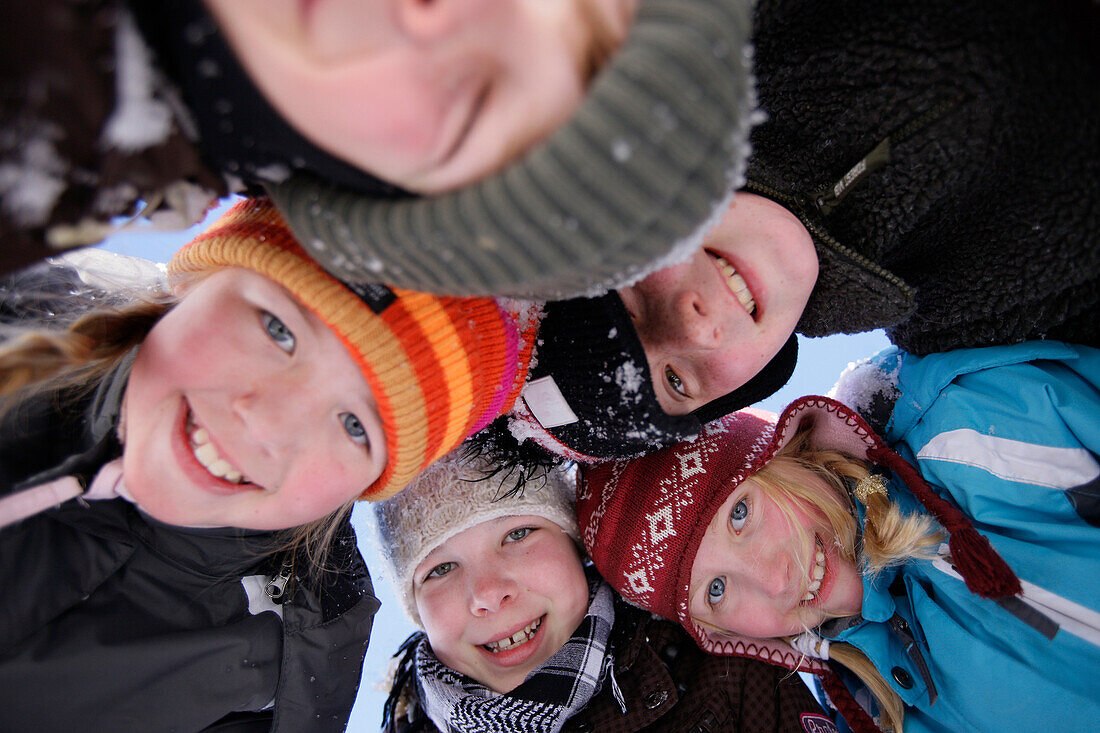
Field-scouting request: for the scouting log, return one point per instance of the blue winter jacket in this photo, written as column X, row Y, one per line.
column 1012, row 435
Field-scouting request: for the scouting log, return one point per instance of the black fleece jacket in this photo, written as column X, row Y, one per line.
column 945, row 156
column 112, row 620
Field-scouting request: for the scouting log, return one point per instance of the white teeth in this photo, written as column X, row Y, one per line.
column 737, row 285
column 817, row 574
column 207, row 455
column 521, row 636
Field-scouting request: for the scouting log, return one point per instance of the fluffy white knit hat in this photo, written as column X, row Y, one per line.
column 454, row 494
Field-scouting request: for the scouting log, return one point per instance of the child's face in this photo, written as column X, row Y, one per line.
column 426, row 94
column 243, row 409
column 756, row 574
column 502, row 578
column 701, row 339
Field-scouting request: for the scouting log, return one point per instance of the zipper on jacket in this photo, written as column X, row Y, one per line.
column 830, row 197
column 912, row 648
column 796, row 208
column 276, row 587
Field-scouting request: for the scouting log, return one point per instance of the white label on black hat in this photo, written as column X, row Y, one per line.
column 547, row 404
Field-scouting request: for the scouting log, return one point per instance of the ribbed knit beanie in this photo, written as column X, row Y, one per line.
column 457, row 493
column 629, row 184
column 642, row 520
column 440, row 368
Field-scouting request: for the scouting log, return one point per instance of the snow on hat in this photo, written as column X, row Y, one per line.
column 642, row 520
column 440, row 368
column 457, row 493
column 589, row 395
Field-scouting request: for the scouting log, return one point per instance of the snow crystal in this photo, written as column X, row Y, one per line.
column 664, row 122
column 870, row 386
column 612, row 333
column 195, row 33
column 139, row 119
column 273, row 172
column 630, row 379
column 33, row 178
column 209, row 68
column 621, row 150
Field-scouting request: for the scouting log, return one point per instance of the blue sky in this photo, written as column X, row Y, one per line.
column 820, row 361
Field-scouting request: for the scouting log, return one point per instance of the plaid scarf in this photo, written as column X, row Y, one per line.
column 554, row 692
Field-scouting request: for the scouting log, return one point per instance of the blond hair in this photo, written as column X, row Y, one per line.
column 890, row 537
column 38, row 361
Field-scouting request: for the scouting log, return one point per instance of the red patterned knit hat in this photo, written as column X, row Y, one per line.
column 642, row 520
column 440, row 368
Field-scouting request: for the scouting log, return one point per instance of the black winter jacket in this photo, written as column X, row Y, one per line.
column 945, row 157
column 112, row 620
column 669, row 684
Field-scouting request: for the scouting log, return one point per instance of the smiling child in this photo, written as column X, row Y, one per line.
column 581, row 140
column 519, row 633
column 917, row 173
column 177, row 477
column 958, row 583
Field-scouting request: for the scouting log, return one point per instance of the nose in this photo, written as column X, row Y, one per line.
column 772, row 572
column 490, row 590
column 684, row 320
column 698, row 324
column 267, row 414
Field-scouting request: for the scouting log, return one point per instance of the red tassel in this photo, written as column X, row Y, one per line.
column 985, row 572
column 854, row 715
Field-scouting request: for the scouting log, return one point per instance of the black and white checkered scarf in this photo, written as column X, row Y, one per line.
column 555, row 691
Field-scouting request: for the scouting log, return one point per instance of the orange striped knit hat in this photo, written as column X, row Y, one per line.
column 440, row 368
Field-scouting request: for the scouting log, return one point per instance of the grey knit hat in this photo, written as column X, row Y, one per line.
column 630, row 184
column 454, row 494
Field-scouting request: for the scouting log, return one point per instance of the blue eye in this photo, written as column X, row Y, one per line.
column 440, row 570
column 739, row 516
column 716, row 591
column 519, row 534
column 354, row 428
column 279, row 333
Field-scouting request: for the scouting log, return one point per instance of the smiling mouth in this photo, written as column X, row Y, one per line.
column 522, row 636
column 816, row 574
column 735, row 283
column 207, row 455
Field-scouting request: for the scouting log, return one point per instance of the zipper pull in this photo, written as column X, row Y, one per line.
column 276, row 587
column 830, row 198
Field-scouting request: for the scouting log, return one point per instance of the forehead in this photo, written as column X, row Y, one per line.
column 486, row 536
